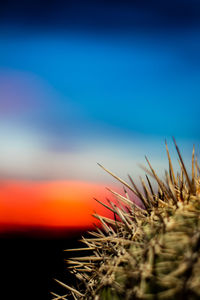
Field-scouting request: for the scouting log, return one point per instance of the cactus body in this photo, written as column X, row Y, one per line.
column 150, row 251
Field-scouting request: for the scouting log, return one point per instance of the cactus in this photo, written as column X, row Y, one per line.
column 147, row 251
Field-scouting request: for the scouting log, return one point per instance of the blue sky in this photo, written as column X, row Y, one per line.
column 132, row 83
column 75, row 87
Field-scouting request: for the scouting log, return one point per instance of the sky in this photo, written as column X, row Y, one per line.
column 95, row 81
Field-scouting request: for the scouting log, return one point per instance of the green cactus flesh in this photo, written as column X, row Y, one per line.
column 150, row 251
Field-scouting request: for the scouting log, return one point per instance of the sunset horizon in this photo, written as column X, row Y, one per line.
column 50, row 205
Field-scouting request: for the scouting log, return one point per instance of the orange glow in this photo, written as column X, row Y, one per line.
column 55, row 204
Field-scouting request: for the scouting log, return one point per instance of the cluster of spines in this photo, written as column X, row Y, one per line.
column 124, row 242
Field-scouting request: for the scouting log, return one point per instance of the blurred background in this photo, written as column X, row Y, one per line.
column 83, row 82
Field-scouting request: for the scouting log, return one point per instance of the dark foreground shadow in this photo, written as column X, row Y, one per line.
column 30, row 262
